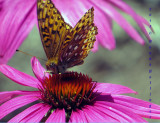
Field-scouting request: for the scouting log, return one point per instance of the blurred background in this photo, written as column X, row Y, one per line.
column 127, row 65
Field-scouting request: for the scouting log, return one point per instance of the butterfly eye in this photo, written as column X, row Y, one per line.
column 52, row 65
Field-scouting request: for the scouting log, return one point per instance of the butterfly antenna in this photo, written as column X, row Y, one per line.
column 30, row 54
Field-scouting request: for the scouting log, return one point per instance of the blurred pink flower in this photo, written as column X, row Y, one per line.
column 105, row 12
column 17, row 18
column 71, row 97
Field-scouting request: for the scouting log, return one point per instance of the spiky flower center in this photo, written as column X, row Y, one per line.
column 68, row 90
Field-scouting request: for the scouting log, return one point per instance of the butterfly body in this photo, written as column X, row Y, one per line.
column 64, row 46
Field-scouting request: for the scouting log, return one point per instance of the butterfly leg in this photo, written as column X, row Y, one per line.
column 48, row 71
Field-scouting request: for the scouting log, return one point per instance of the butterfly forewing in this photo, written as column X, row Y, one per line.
column 53, row 29
column 82, row 40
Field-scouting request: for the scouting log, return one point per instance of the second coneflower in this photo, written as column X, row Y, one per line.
column 17, row 18
column 71, row 97
column 105, row 13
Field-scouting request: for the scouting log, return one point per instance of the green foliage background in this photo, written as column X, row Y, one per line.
column 127, row 65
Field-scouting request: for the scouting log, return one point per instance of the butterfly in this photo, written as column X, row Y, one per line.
column 64, row 45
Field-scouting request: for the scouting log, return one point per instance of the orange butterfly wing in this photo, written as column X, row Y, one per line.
column 64, row 46
column 53, row 30
column 82, row 40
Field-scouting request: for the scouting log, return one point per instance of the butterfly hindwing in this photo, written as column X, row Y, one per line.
column 53, row 29
column 82, row 40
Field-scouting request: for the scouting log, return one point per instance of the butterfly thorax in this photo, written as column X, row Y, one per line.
column 54, row 67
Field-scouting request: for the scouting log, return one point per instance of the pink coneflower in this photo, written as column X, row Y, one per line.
column 17, row 18
column 105, row 12
column 71, row 97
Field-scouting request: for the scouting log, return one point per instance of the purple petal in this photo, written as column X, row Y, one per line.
column 105, row 36
column 112, row 113
column 138, row 106
column 4, row 96
column 112, row 13
column 78, row 116
column 126, row 8
column 38, row 115
column 57, row 116
column 18, row 76
column 38, row 70
column 106, row 88
column 16, row 103
column 72, row 13
column 32, row 114
column 16, row 23
column 146, row 23
column 90, row 116
column 126, row 114
column 96, row 115
column 75, row 117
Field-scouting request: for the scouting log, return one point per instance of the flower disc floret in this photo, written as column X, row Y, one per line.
column 70, row 90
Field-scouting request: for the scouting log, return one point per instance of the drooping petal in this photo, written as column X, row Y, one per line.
column 143, row 108
column 78, row 116
column 105, row 37
column 18, row 76
column 17, row 102
column 146, row 23
column 128, row 115
column 6, row 95
column 112, row 13
column 16, row 22
column 127, row 9
column 58, row 116
column 38, row 70
column 107, row 88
